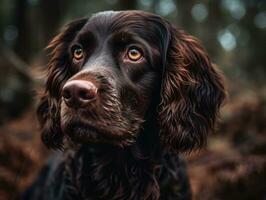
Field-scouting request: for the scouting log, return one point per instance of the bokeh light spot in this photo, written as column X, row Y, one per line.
column 165, row 7
column 227, row 40
column 10, row 33
column 146, row 3
column 236, row 8
column 199, row 12
column 260, row 20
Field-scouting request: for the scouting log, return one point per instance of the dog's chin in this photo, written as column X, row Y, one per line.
column 81, row 133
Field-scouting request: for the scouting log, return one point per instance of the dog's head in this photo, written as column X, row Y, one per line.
column 106, row 72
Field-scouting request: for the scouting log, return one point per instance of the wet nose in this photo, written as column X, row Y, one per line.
column 79, row 93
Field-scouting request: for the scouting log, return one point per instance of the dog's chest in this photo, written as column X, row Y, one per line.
column 94, row 177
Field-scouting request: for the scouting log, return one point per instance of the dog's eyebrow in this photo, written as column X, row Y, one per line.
column 86, row 37
column 129, row 37
column 125, row 36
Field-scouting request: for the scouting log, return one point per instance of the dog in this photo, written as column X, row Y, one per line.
column 126, row 93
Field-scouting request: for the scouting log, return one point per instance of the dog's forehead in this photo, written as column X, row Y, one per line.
column 101, row 21
column 105, row 14
column 121, row 21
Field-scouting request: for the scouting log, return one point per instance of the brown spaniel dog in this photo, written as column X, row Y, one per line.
column 125, row 93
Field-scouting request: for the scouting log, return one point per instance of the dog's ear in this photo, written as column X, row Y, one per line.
column 192, row 92
column 49, row 119
column 58, row 71
column 58, row 66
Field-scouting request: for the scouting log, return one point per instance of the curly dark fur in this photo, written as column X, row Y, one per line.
column 125, row 145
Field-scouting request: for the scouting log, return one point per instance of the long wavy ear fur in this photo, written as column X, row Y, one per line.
column 191, row 94
column 48, row 110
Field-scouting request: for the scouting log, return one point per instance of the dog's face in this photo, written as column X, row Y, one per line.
column 105, row 73
column 116, row 68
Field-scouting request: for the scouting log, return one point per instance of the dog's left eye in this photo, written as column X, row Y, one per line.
column 77, row 52
column 134, row 54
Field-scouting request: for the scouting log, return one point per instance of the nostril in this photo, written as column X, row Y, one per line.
column 66, row 94
column 88, row 93
column 85, row 95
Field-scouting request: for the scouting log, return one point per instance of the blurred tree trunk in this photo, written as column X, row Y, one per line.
column 51, row 14
column 184, row 18
column 23, row 40
column 127, row 5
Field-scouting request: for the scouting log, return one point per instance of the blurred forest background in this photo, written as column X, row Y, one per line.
column 233, row 166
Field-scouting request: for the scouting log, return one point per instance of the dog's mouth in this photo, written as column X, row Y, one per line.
column 86, row 133
column 83, row 132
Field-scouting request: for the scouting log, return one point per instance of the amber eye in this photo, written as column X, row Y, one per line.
column 77, row 53
column 134, row 54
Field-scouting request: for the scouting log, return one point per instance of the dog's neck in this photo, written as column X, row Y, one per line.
column 106, row 168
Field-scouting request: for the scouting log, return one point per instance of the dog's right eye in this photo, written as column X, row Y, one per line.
column 134, row 54
column 77, row 53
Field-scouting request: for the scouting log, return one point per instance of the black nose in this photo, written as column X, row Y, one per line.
column 79, row 93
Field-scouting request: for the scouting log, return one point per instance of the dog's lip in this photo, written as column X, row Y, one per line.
column 81, row 125
column 81, row 132
column 77, row 130
column 76, row 127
